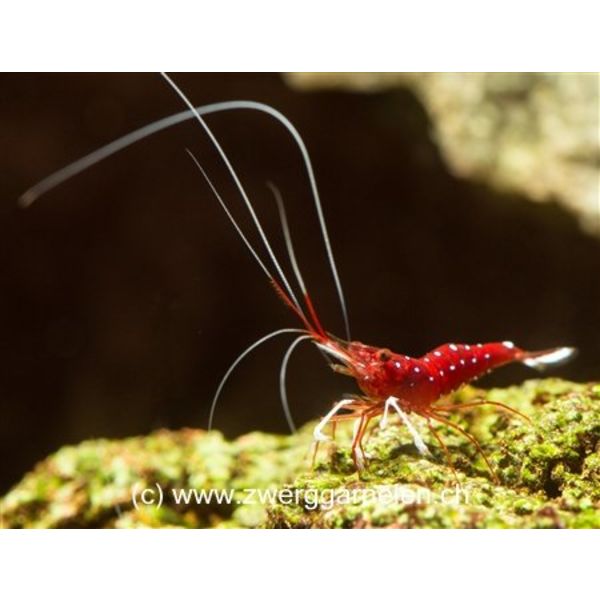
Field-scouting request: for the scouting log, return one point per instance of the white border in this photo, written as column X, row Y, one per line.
column 276, row 35
column 309, row 564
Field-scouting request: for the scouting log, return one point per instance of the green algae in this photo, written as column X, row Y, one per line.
column 548, row 473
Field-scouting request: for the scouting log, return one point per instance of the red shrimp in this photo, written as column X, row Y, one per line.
column 387, row 380
column 415, row 385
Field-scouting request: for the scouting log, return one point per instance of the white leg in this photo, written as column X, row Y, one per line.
column 384, row 419
column 360, row 459
column 360, row 455
column 417, row 439
column 317, row 433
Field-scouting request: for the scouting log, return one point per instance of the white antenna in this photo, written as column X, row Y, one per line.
column 237, row 361
column 239, row 185
column 62, row 175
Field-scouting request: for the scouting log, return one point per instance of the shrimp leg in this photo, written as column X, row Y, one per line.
column 318, row 434
column 417, row 439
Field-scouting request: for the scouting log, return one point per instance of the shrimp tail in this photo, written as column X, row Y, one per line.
column 545, row 358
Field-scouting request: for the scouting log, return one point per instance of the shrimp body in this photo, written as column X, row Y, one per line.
column 418, row 383
column 406, row 385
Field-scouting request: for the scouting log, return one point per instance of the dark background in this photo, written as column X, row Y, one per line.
column 125, row 294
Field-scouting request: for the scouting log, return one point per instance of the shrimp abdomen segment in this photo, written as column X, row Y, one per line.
column 452, row 365
column 455, row 364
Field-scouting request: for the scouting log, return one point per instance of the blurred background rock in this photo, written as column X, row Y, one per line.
column 125, row 294
column 531, row 133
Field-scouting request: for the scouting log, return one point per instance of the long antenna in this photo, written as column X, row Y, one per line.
column 62, row 175
column 290, row 249
column 286, row 235
column 282, row 375
column 295, row 307
column 237, row 361
column 280, row 291
column 239, row 185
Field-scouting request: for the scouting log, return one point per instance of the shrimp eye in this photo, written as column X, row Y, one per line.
column 384, row 356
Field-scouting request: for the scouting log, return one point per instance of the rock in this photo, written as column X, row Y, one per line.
column 533, row 133
column 548, row 474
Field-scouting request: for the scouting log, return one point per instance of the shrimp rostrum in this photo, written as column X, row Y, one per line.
column 389, row 383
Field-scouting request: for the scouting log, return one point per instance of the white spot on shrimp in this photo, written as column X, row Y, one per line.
column 397, row 364
column 467, row 347
column 453, row 347
column 474, row 360
column 487, row 356
column 462, row 361
column 441, row 373
column 452, row 367
column 426, row 360
column 480, row 345
column 437, row 353
column 508, row 344
column 417, row 370
column 432, row 379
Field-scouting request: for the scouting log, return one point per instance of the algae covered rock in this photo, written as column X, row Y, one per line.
column 547, row 474
column 547, row 470
column 160, row 480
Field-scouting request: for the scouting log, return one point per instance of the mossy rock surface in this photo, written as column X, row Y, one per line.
column 548, row 474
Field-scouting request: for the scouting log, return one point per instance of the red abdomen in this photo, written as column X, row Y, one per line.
column 452, row 365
